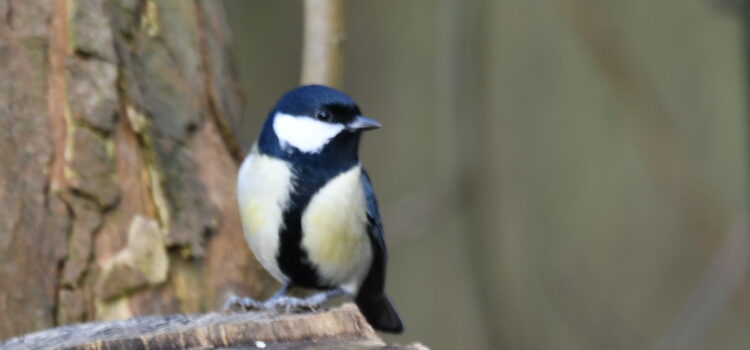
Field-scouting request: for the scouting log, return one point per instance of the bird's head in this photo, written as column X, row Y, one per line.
column 312, row 120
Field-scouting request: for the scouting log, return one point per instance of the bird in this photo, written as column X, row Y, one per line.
column 307, row 206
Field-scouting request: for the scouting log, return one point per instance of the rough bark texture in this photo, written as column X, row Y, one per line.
column 118, row 162
column 339, row 328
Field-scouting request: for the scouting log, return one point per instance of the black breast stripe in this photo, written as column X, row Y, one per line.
column 292, row 257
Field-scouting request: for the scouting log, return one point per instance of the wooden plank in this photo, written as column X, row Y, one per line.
column 337, row 328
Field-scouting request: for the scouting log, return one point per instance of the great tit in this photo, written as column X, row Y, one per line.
column 307, row 206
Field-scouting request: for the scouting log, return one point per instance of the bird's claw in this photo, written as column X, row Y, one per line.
column 291, row 304
column 242, row 303
column 282, row 302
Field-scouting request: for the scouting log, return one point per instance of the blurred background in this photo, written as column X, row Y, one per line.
column 562, row 174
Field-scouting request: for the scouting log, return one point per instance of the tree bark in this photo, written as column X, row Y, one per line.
column 118, row 162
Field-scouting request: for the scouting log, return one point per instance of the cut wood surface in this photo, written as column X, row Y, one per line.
column 337, row 328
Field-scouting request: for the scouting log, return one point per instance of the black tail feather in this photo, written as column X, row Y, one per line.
column 380, row 313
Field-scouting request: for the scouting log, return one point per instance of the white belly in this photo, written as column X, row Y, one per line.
column 334, row 227
column 263, row 188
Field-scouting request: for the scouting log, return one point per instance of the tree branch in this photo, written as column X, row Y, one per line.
column 322, row 56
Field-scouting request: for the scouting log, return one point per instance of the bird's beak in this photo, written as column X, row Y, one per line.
column 361, row 123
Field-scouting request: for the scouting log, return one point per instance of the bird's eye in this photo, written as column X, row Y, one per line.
column 323, row 115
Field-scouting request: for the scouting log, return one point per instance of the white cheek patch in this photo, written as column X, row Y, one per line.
column 305, row 134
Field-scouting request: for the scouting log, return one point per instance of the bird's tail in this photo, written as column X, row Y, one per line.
column 379, row 312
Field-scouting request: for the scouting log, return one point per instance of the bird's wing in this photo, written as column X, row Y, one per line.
column 375, row 281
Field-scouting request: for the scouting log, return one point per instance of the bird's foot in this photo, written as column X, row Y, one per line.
column 291, row 304
column 311, row 303
column 242, row 303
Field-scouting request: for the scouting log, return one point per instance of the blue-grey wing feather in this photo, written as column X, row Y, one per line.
column 373, row 215
column 375, row 281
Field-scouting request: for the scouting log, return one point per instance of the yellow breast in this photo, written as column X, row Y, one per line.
column 334, row 227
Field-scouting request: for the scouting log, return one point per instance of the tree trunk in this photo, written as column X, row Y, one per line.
column 118, row 162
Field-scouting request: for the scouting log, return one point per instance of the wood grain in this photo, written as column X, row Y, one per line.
column 338, row 328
